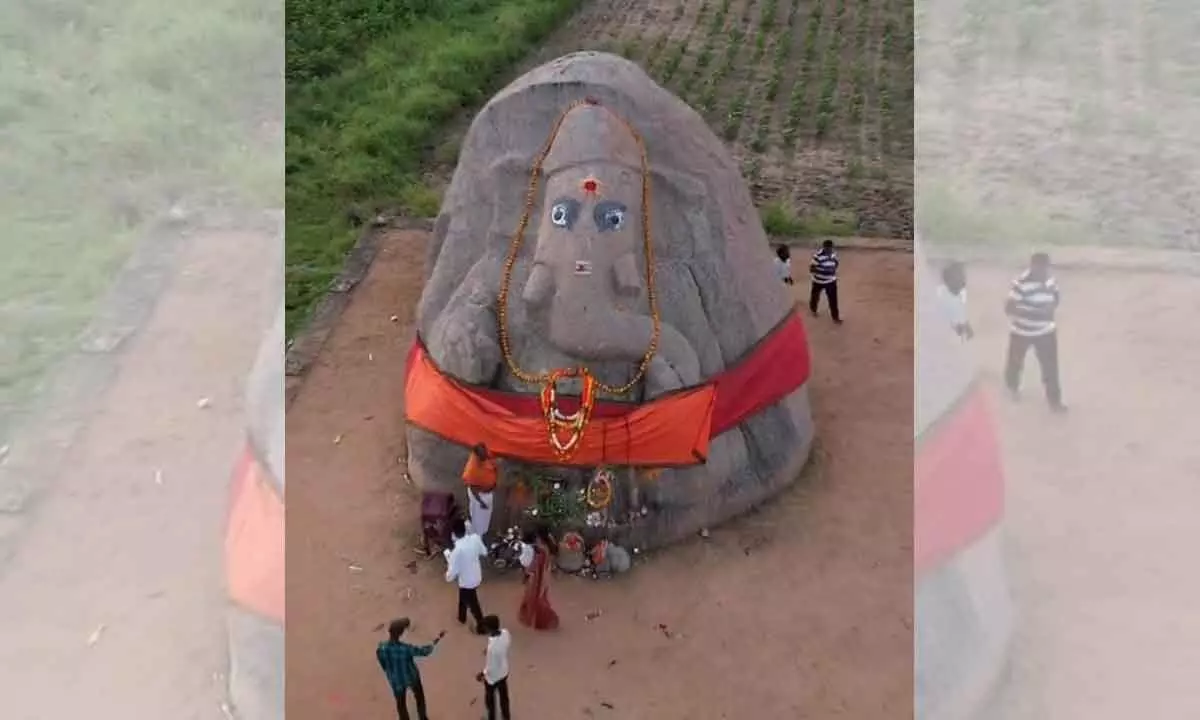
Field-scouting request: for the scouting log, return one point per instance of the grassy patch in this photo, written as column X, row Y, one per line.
column 779, row 220
column 359, row 132
column 948, row 214
column 113, row 112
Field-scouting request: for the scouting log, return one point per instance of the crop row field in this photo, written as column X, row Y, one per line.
column 814, row 97
column 1042, row 123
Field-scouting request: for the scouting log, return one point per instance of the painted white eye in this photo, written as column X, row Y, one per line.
column 614, row 219
column 560, row 215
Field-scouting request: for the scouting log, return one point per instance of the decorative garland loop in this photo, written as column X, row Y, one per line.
column 519, row 238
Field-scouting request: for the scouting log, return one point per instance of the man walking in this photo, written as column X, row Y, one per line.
column 463, row 565
column 398, row 661
column 495, row 669
column 1032, row 303
column 823, row 271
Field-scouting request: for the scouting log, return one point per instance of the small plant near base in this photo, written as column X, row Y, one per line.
column 708, row 98
column 766, row 19
column 671, row 62
column 779, row 62
column 733, row 120
column 628, row 48
column 656, row 49
column 553, row 504
column 825, row 105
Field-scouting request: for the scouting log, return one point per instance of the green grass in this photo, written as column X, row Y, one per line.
column 951, row 213
column 779, row 220
column 112, row 111
column 360, row 131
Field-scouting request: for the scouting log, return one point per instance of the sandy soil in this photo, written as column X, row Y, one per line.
column 1101, row 504
column 801, row 610
column 114, row 557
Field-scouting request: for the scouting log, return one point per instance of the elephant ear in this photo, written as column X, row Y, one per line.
column 509, row 180
column 683, row 222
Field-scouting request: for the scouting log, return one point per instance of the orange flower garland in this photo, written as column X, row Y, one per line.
column 566, row 431
column 600, row 490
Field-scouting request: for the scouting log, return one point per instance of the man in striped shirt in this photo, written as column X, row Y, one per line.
column 823, row 271
column 1032, row 303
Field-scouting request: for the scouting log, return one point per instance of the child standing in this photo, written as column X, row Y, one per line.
column 952, row 295
column 783, row 264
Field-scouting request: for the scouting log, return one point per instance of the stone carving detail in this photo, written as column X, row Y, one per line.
column 579, row 293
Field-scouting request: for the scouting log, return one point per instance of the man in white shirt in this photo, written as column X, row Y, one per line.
column 495, row 668
column 463, row 565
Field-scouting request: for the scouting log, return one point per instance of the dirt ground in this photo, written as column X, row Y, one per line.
column 113, row 604
column 1101, row 509
column 801, row 610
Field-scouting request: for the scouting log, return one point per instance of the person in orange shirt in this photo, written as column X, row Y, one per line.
column 480, row 476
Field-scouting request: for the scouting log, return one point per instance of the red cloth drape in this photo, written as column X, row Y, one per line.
column 671, row 430
column 959, row 483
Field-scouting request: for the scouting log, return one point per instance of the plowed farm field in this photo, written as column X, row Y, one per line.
column 814, row 97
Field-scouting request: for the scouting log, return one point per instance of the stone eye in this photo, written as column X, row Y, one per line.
column 610, row 216
column 564, row 212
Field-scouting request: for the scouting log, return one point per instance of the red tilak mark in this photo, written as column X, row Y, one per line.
column 590, row 186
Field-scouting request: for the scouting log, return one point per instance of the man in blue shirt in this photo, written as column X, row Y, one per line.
column 398, row 660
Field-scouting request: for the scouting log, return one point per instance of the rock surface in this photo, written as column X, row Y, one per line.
column 717, row 293
column 617, row 560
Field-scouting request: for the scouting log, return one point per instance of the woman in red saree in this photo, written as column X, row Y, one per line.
column 535, row 605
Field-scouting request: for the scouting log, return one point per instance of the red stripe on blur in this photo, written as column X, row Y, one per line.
column 959, row 483
column 254, row 541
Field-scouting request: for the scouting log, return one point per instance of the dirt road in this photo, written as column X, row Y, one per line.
column 113, row 605
column 802, row 610
column 1102, row 503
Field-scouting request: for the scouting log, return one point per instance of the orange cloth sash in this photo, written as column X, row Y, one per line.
column 671, row 431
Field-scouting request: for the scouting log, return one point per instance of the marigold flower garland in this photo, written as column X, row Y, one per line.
column 572, row 425
column 555, row 422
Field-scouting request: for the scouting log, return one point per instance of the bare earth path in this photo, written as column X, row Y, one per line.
column 802, row 610
column 1102, row 504
column 112, row 556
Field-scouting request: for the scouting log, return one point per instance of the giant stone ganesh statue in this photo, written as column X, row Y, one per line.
column 600, row 293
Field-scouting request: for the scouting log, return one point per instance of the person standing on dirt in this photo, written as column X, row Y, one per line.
column 480, row 476
column 952, row 296
column 823, row 270
column 1033, row 301
column 464, row 566
column 495, row 668
column 783, row 264
column 399, row 663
